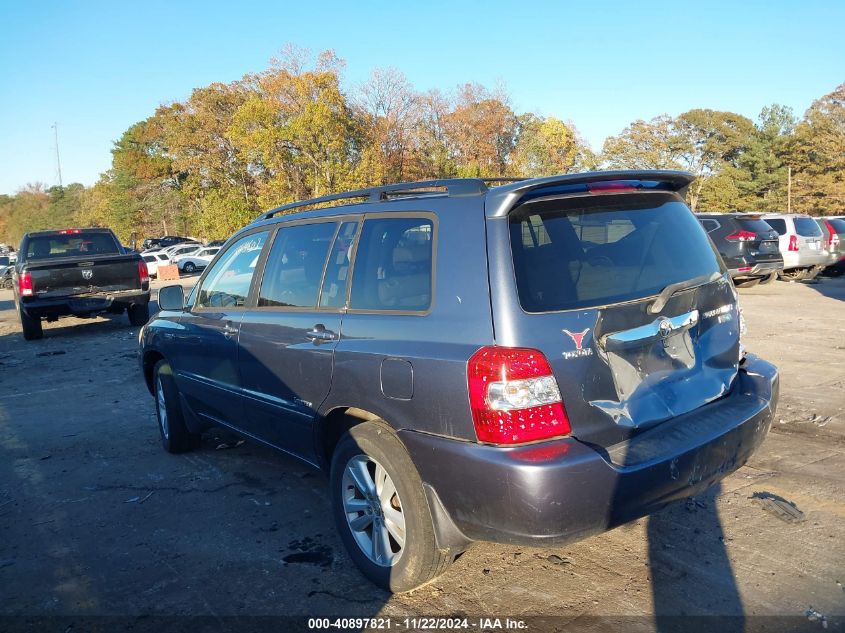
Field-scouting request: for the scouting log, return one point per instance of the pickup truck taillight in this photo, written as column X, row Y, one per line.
column 143, row 272
column 25, row 285
column 514, row 396
column 793, row 243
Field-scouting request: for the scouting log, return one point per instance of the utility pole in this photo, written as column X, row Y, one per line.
column 55, row 127
column 789, row 189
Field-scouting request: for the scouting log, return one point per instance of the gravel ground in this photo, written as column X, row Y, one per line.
column 97, row 520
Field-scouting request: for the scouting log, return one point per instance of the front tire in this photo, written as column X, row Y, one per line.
column 175, row 436
column 190, row 268
column 381, row 511
column 139, row 313
column 31, row 326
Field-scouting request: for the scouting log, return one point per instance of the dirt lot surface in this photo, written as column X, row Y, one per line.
column 96, row 519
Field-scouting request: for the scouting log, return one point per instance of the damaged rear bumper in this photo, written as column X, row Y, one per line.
column 561, row 491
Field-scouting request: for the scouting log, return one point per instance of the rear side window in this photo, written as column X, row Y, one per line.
column 72, row 245
column 295, row 266
column 777, row 225
column 807, row 227
column 709, row 225
column 333, row 294
column 600, row 253
column 394, row 265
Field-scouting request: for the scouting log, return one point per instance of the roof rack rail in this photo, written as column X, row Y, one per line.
column 450, row 186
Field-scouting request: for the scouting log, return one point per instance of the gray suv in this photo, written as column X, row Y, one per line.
column 530, row 363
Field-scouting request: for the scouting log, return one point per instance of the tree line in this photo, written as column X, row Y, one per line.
column 208, row 165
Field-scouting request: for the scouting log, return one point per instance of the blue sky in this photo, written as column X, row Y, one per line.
column 97, row 67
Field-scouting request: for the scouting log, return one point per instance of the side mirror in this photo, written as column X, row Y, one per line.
column 171, row 298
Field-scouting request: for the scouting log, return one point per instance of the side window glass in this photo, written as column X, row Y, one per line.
column 393, row 265
column 333, row 294
column 778, row 225
column 295, row 266
column 227, row 283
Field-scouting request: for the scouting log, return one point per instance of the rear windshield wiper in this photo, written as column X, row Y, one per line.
column 671, row 289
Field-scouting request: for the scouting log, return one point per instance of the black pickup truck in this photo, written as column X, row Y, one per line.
column 79, row 272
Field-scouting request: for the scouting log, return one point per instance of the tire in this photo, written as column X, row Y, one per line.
column 175, row 436
column 31, row 326
column 769, row 279
column 190, row 268
column 796, row 274
column 8, row 284
column 748, row 283
column 139, row 313
column 371, row 449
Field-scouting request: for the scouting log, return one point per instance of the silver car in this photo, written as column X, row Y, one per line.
column 801, row 244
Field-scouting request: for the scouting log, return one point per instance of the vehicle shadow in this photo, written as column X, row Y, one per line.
column 831, row 287
column 693, row 584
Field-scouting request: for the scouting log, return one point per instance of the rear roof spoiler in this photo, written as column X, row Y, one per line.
column 501, row 200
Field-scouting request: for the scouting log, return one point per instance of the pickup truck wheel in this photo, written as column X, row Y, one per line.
column 31, row 326
column 139, row 313
column 175, row 436
column 381, row 511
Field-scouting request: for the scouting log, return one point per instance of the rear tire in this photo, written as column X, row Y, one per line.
column 175, row 436
column 139, row 313
column 31, row 326
column 769, row 279
column 748, row 283
column 796, row 274
column 372, row 455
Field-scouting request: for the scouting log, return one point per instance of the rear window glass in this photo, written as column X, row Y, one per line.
column 777, row 225
column 568, row 254
column 838, row 225
column 44, row 246
column 807, row 227
column 760, row 227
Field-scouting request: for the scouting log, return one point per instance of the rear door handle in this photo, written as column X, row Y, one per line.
column 319, row 333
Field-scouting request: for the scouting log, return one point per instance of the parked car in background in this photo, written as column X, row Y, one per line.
column 800, row 242
column 198, row 260
column 748, row 246
column 6, row 276
column 154, row 260
column 164, row 242
column 833, row 234
column 79, row 272
column 532, row 363
column 179, row 250
column 216, row 243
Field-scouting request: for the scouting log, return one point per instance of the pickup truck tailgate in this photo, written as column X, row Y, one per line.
column 97, row 274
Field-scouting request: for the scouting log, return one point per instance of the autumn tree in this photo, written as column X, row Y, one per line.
column 817, row 155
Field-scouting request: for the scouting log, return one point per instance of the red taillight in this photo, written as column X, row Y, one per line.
column 25, row 285
column 143, row 272
column 793, row 243
column 514, row 396
column 742, row 236
column 70, row 232
column 744, row 269
column 833, row 242
column 603, row 187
